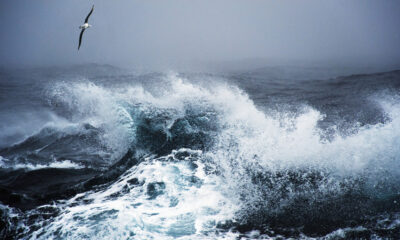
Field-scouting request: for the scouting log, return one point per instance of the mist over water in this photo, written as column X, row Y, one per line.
column 200, row 34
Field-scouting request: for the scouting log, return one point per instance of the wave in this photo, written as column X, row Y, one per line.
column 208, row 163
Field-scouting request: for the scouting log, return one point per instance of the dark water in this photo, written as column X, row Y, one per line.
column 96, row 152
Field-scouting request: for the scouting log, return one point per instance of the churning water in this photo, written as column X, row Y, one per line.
column 95, row 152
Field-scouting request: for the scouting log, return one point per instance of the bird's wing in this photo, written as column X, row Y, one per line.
column 90, row 13
column 80, row 38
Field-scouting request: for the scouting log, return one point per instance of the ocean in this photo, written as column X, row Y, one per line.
column 98, row 152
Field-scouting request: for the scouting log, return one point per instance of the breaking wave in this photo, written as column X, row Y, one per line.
column 189, row 160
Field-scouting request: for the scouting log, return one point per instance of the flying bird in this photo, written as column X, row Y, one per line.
column 84, row 26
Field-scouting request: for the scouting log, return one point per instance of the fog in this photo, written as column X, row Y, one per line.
column 175, row 33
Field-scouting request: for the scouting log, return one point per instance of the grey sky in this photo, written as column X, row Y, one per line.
column 149, row 32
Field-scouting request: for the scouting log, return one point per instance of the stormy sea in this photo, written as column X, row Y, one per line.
column 98, row 152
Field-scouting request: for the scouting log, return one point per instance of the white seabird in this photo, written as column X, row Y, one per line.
column 84, row 26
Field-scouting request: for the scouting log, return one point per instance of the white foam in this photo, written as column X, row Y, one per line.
column 59, row 164
column 101, row 108
column 2, row 161
column 185, row 208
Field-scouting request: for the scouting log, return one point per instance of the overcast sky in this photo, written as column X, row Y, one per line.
column 171, row 32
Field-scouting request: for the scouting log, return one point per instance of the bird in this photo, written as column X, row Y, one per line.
column 84, row 26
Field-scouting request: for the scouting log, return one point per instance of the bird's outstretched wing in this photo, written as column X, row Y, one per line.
column 90, row 13
column 80, row 38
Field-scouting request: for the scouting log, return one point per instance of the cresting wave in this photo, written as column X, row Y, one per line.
column 209, row 164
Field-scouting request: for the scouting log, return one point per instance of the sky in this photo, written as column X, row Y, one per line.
column 170, row 33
